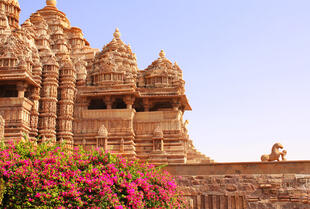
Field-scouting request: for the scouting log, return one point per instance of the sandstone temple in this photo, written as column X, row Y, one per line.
column 55, row 86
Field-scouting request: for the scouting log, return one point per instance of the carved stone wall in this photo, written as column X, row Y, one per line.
column 247, row 191
column 284, row 185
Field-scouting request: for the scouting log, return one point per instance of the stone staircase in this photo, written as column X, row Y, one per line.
column 195, row 157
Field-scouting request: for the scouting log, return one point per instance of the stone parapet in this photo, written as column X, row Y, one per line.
column 283, row 167
column 251, row 185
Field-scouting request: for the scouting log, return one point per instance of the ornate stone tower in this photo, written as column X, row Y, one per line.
column 64, row 54
column 53, row 85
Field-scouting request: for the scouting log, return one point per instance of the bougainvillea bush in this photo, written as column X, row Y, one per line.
column 47, row 176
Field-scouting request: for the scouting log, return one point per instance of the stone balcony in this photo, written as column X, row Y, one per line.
column 16, row 74
column 169, row 121
column 158, row 116
column 106, row 114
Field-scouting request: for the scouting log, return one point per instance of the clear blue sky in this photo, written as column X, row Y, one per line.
column 246, row 64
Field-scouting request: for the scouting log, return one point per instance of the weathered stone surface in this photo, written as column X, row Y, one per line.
column 261, row 191
column 53, row 85
column 211, row 187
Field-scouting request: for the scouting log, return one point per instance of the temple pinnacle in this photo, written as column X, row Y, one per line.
column 117, row 34
column 51, row 3
column 162, row 54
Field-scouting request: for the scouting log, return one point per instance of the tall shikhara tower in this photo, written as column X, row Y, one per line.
column 53, row 85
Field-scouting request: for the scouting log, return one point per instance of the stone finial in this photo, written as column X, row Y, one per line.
column 52, row 3
column 162, row 54
column 103, row 132
column 275, row 153
column 117, row 34
column 158, row 132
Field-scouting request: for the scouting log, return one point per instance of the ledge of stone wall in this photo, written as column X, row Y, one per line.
column 283, row 167
column 247, row 185
column 247, row 191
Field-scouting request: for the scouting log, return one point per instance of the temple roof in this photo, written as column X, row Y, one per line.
column 116, row 56
column 163, row 66
column 160, row 63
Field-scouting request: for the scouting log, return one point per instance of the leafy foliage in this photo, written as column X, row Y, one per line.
column 47, row 176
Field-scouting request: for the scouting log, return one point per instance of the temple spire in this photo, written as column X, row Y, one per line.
column 52, row 3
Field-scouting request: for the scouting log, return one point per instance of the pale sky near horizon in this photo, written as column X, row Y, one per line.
column 246, row 64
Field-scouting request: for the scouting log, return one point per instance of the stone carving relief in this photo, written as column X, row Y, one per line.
column 158, row 133
column 103, row 132
column 158, row 145
column 158, row 142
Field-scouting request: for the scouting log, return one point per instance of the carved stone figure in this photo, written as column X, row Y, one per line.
column 158, row 144
column 158, row 133
column 103, row 132
column 275, row 153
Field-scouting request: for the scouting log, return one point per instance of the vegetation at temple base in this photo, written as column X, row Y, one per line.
column 47, row 176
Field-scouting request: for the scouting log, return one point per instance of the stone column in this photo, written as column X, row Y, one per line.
column 122, row 146
column 2, row 124
column 175, row 104
column 47, row 118
column 129, row 100
column 34, row 118
column 146, row 104
column 67, row 88
column 21, row 88
column 108, row 102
